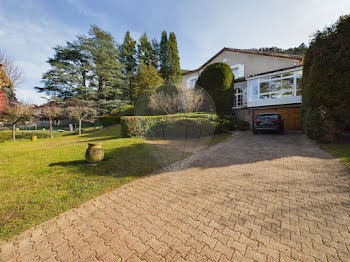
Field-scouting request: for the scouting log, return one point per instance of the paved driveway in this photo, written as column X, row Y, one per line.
column 252, row 198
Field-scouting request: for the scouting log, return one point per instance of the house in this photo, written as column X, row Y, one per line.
column 264, row 82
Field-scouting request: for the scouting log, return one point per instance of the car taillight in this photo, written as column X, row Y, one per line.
column 257, row 121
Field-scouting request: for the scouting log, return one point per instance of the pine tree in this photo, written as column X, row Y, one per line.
column 174, row 63
column 164, row 56
column 128, row 57
column 108, row 80
column 144, row 50
column 155, row 53
column 146, row 80
column 69, row 74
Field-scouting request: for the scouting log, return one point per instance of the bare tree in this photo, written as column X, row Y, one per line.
column 13, row 74
column 51, row 112
column 17, row 113
column 82, row 113
column 182, row 101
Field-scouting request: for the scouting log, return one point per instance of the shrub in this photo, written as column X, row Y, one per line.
column 108, row 120
column 217, row 80
column 243, row 125
column 326, row 82
column 125, row 110
column 223, row 126
column 140, row 126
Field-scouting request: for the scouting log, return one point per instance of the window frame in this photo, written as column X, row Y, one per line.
column 268, row 78
column 236, row 95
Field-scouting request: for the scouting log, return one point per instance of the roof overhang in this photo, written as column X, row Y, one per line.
column 245, row 51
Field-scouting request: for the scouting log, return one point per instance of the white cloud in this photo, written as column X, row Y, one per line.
column 29, row 42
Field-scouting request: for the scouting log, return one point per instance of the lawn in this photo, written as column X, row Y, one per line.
column 341, row 151
column 41, row 179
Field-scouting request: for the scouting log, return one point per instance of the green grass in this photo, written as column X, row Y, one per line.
column 341, row 151
column 41, row 179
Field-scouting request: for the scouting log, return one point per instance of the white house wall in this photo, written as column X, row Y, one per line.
column 253, row 63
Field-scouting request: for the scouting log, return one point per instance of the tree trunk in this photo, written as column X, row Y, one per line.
column 79, row 131
column 51, row 133
column 130, row 88
column 13, row 132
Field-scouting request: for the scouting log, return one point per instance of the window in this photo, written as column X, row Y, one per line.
column 192, row 82
column 299, row 75
column 253, row 89
column 275, row 86
column 238, row 102
column 238, row 70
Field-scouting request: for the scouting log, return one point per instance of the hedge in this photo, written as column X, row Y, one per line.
column 326, row 82
column 174, row 125
column 108, row 120
column 125, row 110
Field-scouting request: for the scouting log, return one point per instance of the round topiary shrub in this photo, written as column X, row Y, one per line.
column 217, row 80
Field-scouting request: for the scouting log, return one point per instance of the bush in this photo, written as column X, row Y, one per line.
column 243, row 125
column 326, row 82
column 125, row 110
column 217, row 80
column 223, row 126
column 108, row 120
column 140, row 126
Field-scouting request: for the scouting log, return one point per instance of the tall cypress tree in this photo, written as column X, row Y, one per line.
column 174, row 65
column 128, row 57
column 164, row 60
column 144, row 50
column 155, row 53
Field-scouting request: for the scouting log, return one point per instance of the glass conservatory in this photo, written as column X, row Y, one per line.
column 275, row 88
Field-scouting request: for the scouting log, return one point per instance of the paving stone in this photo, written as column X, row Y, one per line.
column 250, row 198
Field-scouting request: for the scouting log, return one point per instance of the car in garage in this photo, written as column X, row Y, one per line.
column 268, row 122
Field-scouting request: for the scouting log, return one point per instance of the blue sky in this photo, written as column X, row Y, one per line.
column 29, row 29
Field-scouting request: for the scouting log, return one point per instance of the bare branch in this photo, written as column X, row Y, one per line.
column 13, row 71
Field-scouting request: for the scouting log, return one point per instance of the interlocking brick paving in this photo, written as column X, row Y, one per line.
column 252, row 198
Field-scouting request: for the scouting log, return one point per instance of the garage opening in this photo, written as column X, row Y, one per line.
column 290, row 114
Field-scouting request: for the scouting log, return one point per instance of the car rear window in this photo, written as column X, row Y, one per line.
column 267, row 117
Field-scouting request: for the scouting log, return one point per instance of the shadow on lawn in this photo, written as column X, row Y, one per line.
column 132, row 160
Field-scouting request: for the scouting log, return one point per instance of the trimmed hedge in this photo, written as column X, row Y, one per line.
column 217, row 80
column 125, row 110
column 326, row 82
column 141, row 126
column 108, row 120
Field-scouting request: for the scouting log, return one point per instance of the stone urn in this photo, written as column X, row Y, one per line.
column 94, row 154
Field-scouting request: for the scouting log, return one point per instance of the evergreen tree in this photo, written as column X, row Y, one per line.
column 144, row 50
column 146, row 80
column 164, row 56
column 174, row 63
column 155, row 53
column 127, row 56
column 69, row 73
column 108, row 80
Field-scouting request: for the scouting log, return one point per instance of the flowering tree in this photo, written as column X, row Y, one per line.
column 51, row 112
column 17, row 113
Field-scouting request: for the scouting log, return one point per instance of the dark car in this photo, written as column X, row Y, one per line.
column 268, row 122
